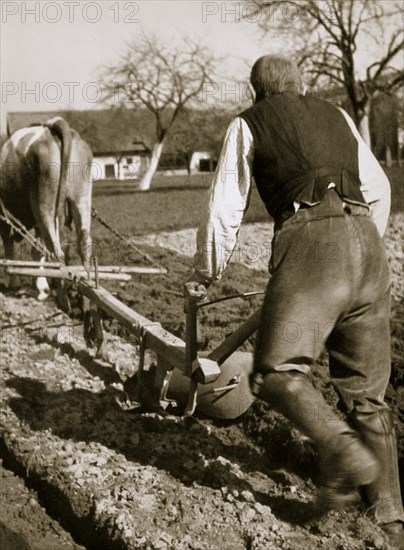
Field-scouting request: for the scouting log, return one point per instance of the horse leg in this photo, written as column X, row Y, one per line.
column 49, row 232
column 40, row 282
column 13, row 281
column 81, row 213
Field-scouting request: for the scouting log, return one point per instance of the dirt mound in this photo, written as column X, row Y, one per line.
column 148, row 481
column 24, row 523
column 152, row 482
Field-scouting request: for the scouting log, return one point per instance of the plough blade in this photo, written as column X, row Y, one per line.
column 227, row 397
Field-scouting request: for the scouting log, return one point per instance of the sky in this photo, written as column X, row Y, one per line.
column 52, row 52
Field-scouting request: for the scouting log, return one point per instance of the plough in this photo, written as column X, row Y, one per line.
column 213, row 383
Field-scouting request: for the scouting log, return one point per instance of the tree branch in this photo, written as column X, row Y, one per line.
column 392, row 51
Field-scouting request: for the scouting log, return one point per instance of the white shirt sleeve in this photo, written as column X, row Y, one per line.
column 375, row 184
column 227, row 202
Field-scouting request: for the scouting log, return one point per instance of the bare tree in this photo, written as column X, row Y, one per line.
column 161, row 78
column 329, row 35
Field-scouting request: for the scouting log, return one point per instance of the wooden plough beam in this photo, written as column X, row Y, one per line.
column 66, row 273
column 153, row 335
column 57, row 270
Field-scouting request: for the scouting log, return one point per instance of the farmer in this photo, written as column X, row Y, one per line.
column 330, row 285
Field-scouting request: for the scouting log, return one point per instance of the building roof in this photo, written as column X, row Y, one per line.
column 131, row 131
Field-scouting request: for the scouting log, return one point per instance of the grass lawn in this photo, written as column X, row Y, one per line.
column 177, row 206
column 176, row 202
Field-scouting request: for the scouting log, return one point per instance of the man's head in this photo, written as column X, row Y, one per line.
column 274, row 74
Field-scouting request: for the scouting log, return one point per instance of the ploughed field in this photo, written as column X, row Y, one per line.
column 118, row 479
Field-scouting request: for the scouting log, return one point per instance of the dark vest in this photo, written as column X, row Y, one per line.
column 301, row 145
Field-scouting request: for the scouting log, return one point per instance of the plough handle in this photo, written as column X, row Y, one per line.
column 232, row 297
column 236, row 338
column 191, row 336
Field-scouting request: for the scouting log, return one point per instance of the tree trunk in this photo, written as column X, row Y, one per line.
column 364, row 128
column 146, row 181
column 364, row 123
column 388, row 157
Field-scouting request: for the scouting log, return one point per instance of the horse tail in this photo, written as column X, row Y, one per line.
column 59, row 127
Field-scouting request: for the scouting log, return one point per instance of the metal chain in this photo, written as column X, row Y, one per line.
column 101, row 220
column 19, row 228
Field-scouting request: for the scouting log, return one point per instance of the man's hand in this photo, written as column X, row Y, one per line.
column 196, row 287
column 193, row 290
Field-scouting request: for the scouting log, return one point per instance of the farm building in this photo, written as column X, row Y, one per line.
column 202, row 161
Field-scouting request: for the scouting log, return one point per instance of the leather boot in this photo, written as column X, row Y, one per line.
column 345, row 462
column 383, row 496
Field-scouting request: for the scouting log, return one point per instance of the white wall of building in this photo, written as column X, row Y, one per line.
column 196, row 157
column 105, row 167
